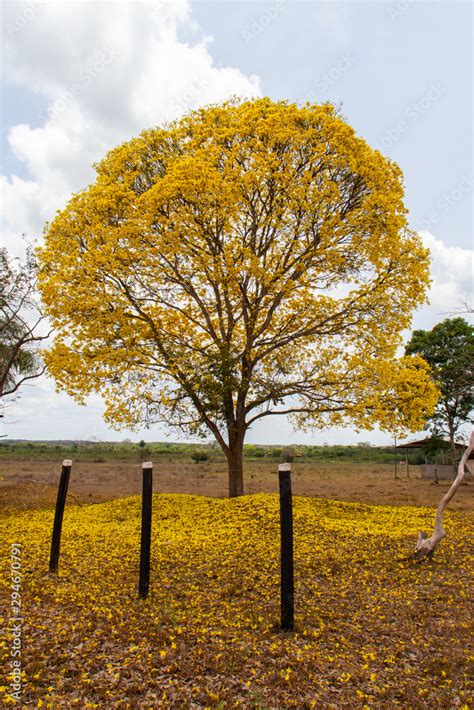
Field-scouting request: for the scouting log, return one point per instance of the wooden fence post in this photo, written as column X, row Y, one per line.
column 286, row 542
column 58, row 515
column 144, row 583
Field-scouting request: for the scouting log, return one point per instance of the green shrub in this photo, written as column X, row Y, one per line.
column 288, row 455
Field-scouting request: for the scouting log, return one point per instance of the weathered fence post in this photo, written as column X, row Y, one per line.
column 395, row 456
column 58, row 515
column 144, row 583
column 286, row 542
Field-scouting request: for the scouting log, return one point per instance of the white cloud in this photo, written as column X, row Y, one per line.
column 452, row 270
column 106, row 71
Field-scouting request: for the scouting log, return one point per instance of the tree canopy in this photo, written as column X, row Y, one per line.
column 20, row 319
column 449, row 350
column 249, row 260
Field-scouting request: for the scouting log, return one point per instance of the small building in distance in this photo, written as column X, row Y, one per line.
column 436, row 454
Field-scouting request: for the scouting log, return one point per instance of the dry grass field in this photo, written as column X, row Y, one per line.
column 27, row 483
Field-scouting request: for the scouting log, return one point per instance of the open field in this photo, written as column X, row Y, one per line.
column 101, row 451
column 26, row 483
column 372, row 630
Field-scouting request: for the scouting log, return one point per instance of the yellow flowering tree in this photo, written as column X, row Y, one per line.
column 252, row 259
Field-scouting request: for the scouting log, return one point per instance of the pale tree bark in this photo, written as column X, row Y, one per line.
column 426, row 546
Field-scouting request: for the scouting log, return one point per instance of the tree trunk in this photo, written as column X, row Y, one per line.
column 425, row 545
column 235, row 464
column 453, row 449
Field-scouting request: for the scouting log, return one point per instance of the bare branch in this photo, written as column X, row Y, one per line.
column 20, row 320
column 426, row 546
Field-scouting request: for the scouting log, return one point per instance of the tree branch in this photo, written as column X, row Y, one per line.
column 426, row 546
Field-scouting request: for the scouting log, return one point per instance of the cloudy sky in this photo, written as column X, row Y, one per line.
column 80, row 77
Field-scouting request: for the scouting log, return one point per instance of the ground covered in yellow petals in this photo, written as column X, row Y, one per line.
column 371, row 630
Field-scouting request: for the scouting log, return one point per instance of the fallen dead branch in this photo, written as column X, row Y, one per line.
column 426, row 546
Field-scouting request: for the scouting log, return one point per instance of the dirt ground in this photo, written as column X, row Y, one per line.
column 32, row 484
